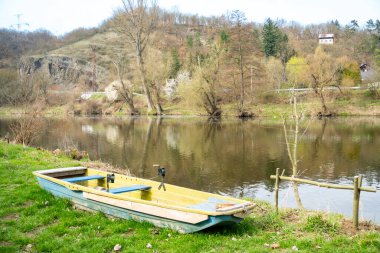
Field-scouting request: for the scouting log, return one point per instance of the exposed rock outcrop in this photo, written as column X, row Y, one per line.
column 62, row 70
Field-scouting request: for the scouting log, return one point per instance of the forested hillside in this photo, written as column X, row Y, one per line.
column 208, row 63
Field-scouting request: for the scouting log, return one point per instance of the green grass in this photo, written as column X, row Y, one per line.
column 97, row 97
column 56, row 110
column 318, row 223
column 8, row 110
column 32, row 216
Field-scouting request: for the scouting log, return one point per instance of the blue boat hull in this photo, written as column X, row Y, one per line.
column 183, row 227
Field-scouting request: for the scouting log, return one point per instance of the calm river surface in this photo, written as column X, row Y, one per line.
column 232, row 156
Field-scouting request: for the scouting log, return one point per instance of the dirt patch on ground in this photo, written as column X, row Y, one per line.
column 11, row 217
column 348, row 228
column 28, row 203
column 292, row 216
column 129, row 232
column 13, row 186
column 2, row 243
column 33, row 233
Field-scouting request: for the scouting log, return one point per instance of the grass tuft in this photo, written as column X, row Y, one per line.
column 318, row 223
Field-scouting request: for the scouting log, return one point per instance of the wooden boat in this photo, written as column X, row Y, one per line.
column 182, row 209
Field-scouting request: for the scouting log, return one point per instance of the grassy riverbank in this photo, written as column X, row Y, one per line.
column 33, row 220
column 354, row 103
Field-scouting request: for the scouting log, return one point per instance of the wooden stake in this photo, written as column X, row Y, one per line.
column 355, row 213
column 357, row 187
column 276, row 188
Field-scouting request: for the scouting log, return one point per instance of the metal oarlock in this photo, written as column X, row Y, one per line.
column 161, row 173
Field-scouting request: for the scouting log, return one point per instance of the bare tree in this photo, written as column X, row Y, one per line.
column 125, row 87
column 274, row 70
column 21, row 90
column 238, row 18
column 27, row 127
column 136, row 20
column 31, row 98
column 94, row 84
column 40, row 84
column 9, row 83
column 29, row 94
column 157, row 72
column 323, row 70
column 205, row 88
column 210, row 79
column 242, row 50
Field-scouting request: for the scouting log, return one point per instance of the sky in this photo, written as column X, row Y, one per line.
column 62, row 16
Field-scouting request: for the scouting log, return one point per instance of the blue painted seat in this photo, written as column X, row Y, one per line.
column 85, row 178
column 130, row 188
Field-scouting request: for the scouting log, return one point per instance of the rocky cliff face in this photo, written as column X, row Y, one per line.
column 62, row 70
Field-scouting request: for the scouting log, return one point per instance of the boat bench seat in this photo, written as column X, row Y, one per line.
column 85, row 178
column 130, row 188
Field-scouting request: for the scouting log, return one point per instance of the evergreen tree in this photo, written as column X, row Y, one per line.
column 224, row 37
column 336, row 23
column 270, row 37
column 354, row 25
column 275, row 42
column 242, row 53
column 175, row 64
column 377, row 24
column 370, row 25
column 189, row 41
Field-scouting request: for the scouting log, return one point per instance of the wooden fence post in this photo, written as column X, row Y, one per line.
column 276, row 188
column 357, row 187
column 355, row 215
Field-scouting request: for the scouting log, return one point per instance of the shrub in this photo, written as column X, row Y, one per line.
column 350, row 74
column 26, row 129
column 318, row 223
column 8, row 83
column 92, row 107
column 374, row 90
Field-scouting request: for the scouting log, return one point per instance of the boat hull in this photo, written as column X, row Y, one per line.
column 78, row 198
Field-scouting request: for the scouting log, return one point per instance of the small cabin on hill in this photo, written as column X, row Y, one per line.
column 326, row 39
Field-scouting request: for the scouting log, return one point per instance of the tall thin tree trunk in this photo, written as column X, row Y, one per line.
column 241, row 80
column 284, row 77
column 140, row 63
column 295, row 145
column 323, row 103
column 131, row 107
column 251, row 95
column 293, row 153
column 160, row 111
column 297, row 195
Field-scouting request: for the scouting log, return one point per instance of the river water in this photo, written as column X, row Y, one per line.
column 232, row 156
